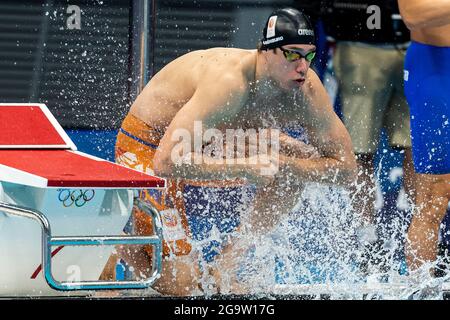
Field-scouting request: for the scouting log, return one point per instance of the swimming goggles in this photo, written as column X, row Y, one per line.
column 296, row 55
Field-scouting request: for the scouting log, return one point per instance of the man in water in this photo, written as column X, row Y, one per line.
column 230, row 89
column 427, row 87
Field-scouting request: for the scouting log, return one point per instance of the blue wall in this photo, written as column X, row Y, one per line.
column 99, row 143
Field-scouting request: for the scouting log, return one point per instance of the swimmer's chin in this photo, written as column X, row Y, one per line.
column 292, row 85
column 296, row 84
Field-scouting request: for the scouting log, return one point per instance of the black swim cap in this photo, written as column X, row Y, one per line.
column 287, row 26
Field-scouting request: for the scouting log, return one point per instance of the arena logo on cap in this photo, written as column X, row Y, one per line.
column 271, row 26
column 305, row 32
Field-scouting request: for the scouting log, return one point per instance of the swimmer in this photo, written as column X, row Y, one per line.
column 427, row 86
column 228, row 88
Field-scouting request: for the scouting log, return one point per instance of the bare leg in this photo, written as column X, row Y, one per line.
column 433, row 195
column 374, row 258
column 180, row 276
column 364, row 189
column 409, row 176
column 109, row 272
column 364, row 203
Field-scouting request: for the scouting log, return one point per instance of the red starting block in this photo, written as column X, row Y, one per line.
column 37, row 156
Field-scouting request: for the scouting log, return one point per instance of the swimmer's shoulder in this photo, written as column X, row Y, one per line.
column 227, row 63
column 227, row 68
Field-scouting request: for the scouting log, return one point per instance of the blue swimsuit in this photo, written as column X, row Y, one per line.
column 427, row 89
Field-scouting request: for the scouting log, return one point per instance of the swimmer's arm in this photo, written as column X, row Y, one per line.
column 216, row 99
column 425, row 13
column 327, row 133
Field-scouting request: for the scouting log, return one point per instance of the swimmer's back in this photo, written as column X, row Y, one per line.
column 172, row 87
column 428, row 22
column 439, row 36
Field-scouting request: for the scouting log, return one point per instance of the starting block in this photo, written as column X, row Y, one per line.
column 61, row 210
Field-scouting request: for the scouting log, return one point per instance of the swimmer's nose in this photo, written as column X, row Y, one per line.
column 302, row 66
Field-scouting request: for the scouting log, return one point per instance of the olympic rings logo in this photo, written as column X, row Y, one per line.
column 77, row 197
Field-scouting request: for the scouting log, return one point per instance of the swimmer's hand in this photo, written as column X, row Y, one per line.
column 301, row 150
column 292, row 147
column 263, row 169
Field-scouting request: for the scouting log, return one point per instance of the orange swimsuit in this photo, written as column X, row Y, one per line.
column 135, row 148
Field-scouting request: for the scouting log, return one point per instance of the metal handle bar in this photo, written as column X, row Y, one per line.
column 48, row 241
